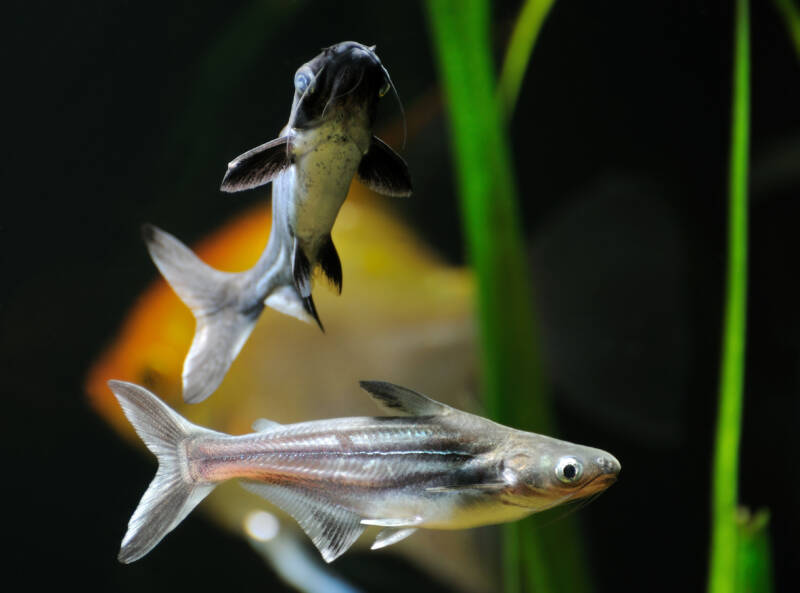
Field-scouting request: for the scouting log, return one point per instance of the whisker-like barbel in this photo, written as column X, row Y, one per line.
column 326, row 142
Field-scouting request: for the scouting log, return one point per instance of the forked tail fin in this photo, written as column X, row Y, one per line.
column 223, row 324
column 172, row 494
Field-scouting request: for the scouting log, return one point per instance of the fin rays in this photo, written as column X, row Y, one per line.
column 331, row 527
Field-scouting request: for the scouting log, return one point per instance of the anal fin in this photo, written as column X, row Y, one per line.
column 331, row 265
column 331, row 527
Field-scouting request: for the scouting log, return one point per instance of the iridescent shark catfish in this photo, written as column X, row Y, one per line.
column 427, row 466
column 327, row 141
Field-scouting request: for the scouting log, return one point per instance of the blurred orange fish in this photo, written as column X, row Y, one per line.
column 406, row 318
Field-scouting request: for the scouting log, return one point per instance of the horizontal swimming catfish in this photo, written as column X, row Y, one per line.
column 327, row 140
column 426, row 466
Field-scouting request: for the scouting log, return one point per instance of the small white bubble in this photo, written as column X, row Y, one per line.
column 261, row 525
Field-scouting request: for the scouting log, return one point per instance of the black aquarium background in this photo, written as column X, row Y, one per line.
column 119, row 113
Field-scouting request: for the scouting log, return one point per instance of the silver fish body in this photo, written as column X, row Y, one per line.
column 433, row 467
column 327, row 141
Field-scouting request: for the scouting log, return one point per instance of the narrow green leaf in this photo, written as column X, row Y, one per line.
column 520, row 47
column 513, row 384
column 790, row 14
column 724, row 537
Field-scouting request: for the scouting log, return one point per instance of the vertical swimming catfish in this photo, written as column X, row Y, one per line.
column 327, row 141
column 427, row 466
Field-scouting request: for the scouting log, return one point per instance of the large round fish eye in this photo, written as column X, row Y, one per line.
column 302, row 81
column 384, row 89
column 569, row 470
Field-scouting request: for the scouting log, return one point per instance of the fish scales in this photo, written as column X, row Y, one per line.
column 326, row 142
column 427, row 466
column 352, row 452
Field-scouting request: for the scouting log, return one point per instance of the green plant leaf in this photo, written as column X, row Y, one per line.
column 724, row 532
column 790, row 14
column 513, row 384
column 520, row 47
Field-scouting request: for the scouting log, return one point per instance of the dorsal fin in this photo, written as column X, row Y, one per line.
column 396, row 399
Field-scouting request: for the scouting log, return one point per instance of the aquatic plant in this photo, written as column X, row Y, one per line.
column 514, row 388
column 790, row 14
column 739, row 558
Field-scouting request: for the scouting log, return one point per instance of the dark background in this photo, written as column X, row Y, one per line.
column 123, row 112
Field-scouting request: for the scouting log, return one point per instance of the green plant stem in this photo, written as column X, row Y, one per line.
column 490, row 214
column 722, row 578
column 520, row 47
column 513, row 384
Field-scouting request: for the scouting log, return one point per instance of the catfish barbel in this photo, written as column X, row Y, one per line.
column 431, row 466
column 327, row 140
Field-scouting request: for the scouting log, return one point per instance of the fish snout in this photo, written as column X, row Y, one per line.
column 355, row 50
column 608, row 467
column 357, row 74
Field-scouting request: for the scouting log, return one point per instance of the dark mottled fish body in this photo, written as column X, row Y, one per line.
column 326, row 142
column 433, row 467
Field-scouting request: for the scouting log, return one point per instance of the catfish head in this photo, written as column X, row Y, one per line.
column 345, row 78
column 541, row 472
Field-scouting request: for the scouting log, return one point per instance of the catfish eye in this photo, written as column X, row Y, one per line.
column 569, row 470
column 384, row 89
column 302, row 81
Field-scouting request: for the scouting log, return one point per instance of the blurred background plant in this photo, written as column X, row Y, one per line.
column 618, row 140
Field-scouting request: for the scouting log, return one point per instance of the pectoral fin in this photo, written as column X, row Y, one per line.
column 396, row 399
column 384, row 171
column 257, row 166
column 331, row 527
column 482, row 487
column 391, row 535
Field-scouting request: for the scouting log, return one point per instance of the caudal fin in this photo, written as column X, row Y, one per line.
column 172, row 494
column 213, row 297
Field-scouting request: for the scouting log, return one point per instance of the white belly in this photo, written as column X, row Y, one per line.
column 326, row 159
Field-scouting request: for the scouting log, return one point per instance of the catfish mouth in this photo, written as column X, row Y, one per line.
column 355, row 72
column 349, row 76
column 590, row 490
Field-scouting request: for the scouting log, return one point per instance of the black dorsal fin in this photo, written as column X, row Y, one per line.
column 396, row 399
column 330, row 263
column 257, row 166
